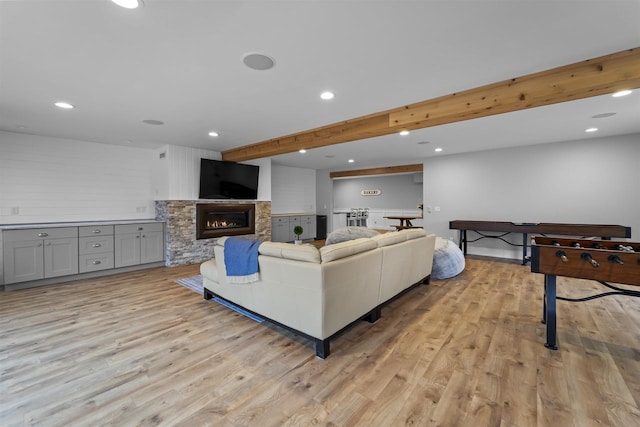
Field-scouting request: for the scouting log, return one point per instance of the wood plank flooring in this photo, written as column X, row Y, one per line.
column 139, row 349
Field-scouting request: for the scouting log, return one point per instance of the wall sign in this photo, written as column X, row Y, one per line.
column 371, row 192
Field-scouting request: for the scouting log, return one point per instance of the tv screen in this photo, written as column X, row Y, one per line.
column 228, row 180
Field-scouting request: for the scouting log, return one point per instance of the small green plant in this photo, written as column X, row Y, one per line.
column 297, row 230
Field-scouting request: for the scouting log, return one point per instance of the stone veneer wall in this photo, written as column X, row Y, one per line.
column 181, row 246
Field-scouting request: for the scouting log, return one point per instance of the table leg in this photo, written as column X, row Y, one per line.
column 524, row 248
column 550, row 310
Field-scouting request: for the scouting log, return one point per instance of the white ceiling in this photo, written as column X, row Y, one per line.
column 181, row 62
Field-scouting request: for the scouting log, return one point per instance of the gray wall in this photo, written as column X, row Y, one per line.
column 398, row 192
column 587, row 181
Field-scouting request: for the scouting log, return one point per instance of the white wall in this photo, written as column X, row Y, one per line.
column 293, row 190
column 176, row 176
column 593, row 181
column 398, row 192
column 59, row 180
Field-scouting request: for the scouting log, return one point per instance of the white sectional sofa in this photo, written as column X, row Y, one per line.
column 320, row 292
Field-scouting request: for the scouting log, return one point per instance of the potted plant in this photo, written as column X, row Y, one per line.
column 297, row 230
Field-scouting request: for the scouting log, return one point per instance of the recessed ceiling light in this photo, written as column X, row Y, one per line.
column 603, row 115
column 621, row 93
column 437, row 150
column 64, row 105
column 404, row 132
column 351, row 160
column 153, row 122
column 258, row 61
column 591, row 130
column 327, row 95
column 128, row 4
column 214, row 133
column 302, row 151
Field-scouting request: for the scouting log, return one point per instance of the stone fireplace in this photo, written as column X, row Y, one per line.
column 182, row 244
column 217, row 220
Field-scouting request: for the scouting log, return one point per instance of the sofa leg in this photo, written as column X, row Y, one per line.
column 322, row 348
column 426, row 280
column 207, row 294
column 374, row 315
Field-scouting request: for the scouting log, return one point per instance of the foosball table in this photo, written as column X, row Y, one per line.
column 601, row 260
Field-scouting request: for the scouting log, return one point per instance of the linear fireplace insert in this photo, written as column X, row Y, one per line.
column 217, row 220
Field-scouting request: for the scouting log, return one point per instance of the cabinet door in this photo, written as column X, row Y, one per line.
column 60, row 257
column 127, row 249
column 293, row 221
column 23, row 261
column 151, row 247
column 280, row 229
column 309, row 226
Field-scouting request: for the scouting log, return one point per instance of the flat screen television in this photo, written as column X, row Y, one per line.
column 220, row 179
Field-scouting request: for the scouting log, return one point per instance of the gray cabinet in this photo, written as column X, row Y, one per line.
column 308, row 223
column 95, row 248
column 138, row 244
column 280, row 229
column 40, row 253
column 293, row 221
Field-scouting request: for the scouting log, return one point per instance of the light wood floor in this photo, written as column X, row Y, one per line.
column 139, row 349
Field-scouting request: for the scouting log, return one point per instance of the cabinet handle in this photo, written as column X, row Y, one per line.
column 140, row 228
column 96, row 245
column 97, row 262
column 138, row 236
column 39, row 244
column 48, row 243
column 143, row 236
column 43, row 234
column 97, row 231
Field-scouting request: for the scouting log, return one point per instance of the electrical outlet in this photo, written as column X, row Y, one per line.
column 15, row 210
column 141, row 209
column 436, row 209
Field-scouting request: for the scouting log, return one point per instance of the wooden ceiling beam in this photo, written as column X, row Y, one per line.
column 584, row 79
column 378, row 171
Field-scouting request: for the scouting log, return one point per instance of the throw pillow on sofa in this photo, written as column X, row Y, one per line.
column 349, row 233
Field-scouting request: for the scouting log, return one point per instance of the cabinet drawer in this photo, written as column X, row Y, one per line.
column 39, row 234
column 97, row 262
column 295, row 219
column 95, row 230
column 280, row 220
column 95, row 245
column 136, row 228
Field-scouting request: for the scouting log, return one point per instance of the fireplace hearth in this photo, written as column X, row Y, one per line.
column 217, row 220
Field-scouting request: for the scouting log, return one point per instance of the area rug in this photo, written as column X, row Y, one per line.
column 195, row 284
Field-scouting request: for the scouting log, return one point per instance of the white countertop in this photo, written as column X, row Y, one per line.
column 74, row 224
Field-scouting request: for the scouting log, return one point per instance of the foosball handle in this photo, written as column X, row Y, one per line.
column 587, row 257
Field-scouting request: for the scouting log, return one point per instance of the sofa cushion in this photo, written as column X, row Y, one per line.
column 305, row 253
column 390, row 238
column 349, row 233
column 345, row 249
column 413, row 233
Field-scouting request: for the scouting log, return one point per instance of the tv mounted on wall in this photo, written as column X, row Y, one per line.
column 220, row 179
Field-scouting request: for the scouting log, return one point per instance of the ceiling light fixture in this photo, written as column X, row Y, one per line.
column 621, row 93
column 327, row 95
column 404, row 132
column 128, row 4
column 64, row 105
column 214, row 133
column 591, row 130
column 350, row 160
column 302, row 151
column 258, row 61
column 438, row 150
